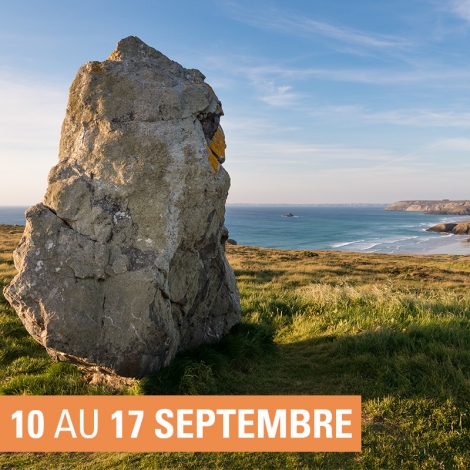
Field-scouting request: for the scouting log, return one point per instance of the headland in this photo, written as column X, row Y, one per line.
column 440, row 207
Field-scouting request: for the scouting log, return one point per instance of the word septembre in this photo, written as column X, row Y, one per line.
column 181, row 423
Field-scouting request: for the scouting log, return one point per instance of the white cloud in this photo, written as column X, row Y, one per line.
column 274, row 83
column 279, row 96
column 462, row 8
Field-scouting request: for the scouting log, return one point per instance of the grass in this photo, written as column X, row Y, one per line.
column 394, row 329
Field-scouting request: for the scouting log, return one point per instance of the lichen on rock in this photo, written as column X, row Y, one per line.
column 123, row 263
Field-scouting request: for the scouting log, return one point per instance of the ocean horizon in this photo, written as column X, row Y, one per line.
column 360, row 227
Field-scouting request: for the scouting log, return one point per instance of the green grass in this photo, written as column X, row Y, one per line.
column 393, row 329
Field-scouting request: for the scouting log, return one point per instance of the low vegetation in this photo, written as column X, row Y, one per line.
column 394, row 329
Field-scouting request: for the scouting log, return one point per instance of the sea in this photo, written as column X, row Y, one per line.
column 360, row 228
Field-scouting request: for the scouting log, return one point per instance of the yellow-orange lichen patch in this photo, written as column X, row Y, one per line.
column 217, row 144
column 213, row 160
column 114, row 56
column 96, row 66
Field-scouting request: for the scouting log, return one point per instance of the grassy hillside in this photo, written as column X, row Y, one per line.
column 394, row 329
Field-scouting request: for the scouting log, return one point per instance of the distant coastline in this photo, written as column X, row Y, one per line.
column 441, row 207
column 346, row 204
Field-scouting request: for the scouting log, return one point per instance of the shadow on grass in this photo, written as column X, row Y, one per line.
column 210, row 370
column 415, row 386
column 422, row 362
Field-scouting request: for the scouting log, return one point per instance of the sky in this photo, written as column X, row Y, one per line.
column 325, row 101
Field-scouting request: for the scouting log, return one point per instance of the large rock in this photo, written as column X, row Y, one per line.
column 123, row 265
column 457, row 228
column 442, row 227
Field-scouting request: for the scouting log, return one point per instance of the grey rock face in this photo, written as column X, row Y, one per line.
column 123, row 265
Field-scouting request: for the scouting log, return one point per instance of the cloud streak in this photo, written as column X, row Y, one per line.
column 282, row 152
column 400, row 117
column 359, row 75
column 279, row 96
column 304, row 26
column 278, row 84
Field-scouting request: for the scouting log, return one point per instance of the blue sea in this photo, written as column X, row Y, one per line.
column 328, row 227
column 12, row 215
column 342, row 227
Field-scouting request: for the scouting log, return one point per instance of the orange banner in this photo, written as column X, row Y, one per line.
column 180, row 423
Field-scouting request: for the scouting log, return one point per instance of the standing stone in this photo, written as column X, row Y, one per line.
column 123, row 263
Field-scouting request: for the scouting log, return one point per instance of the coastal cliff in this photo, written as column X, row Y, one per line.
column 442, row 207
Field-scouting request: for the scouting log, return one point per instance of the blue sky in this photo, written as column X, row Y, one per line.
column 325, row 101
